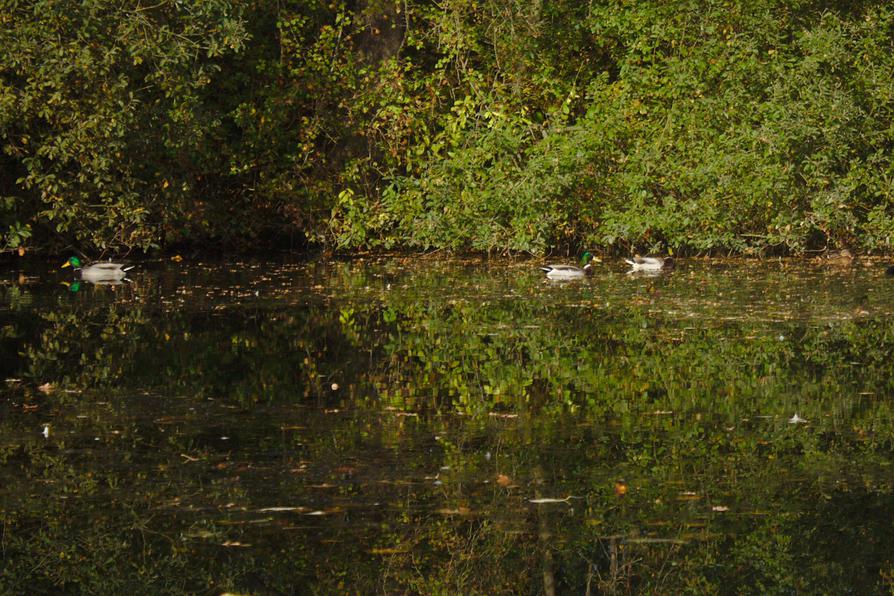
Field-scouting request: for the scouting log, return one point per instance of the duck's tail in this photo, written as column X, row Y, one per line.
column 546, row 269
column 630, row 261
column 128, row 268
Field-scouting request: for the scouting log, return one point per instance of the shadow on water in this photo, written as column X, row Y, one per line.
column 462, row 426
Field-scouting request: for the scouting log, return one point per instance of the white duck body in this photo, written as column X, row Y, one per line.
column 567, row 271
column 650, row 263
column 99, row 272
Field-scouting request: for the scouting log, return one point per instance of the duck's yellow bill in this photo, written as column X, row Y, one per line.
column 64, row 265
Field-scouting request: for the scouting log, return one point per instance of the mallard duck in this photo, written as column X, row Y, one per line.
column 570, row 271
column 650, row 263
column 97, row 272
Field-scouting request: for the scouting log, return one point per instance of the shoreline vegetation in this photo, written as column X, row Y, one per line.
column 758, row 128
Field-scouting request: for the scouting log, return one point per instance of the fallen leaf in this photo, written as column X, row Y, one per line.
column 46, row 388
column 461, row 510
column 503, row 480
column 329, row 511
column 620, row 488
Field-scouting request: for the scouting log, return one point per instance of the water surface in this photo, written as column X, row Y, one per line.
column 431, row 425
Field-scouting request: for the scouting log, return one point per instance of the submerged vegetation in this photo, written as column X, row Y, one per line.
column 727, row 125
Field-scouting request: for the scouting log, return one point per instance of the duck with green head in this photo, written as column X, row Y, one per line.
column 563, row 272
column 97, row 272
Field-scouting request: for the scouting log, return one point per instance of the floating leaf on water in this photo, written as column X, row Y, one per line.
column 719, row 508
column 545, row 500
column 504, row 480
column 276, row 509
column 46, row 388
column 235, row 543
column 797, row 419
column 620, row 488
column 458, row 511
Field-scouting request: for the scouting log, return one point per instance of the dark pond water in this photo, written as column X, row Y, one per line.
column 420, row 425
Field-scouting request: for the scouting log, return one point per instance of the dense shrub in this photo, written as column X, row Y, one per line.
column 690, row 126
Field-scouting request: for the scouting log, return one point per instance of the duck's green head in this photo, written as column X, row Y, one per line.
column 586, row 258
column 72, row 262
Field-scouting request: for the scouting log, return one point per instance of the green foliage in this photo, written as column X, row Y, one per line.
column 753, row 127
column 746, row 127
column 102, row 112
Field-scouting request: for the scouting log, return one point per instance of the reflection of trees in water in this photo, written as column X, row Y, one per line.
column 382, row 420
